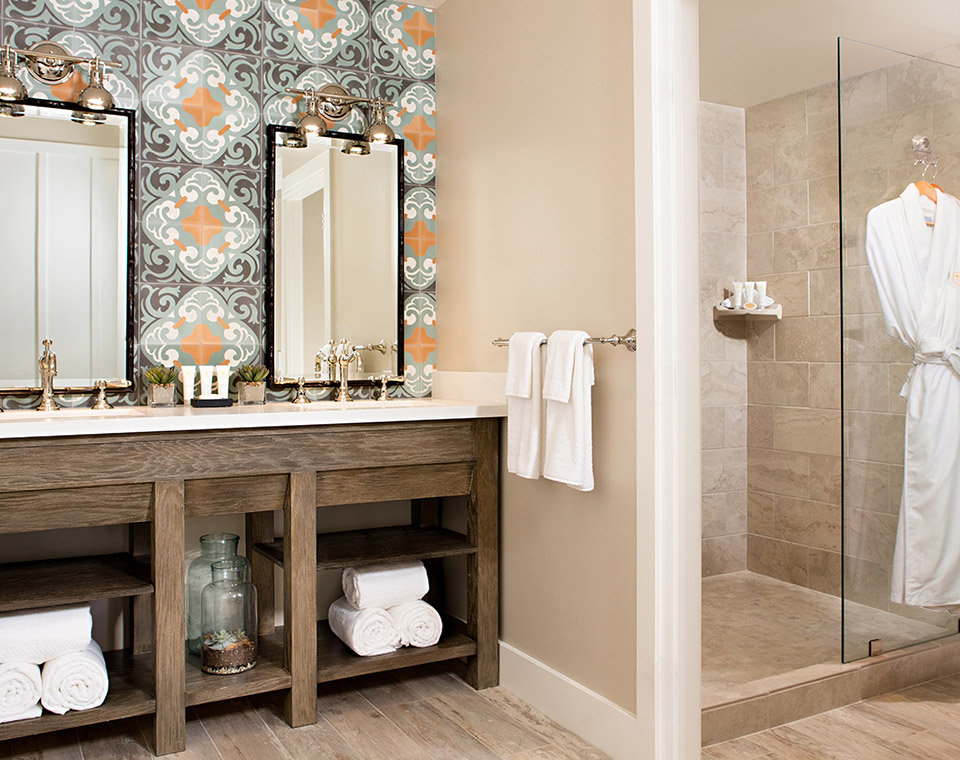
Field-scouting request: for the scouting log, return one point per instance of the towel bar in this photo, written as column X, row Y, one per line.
column 629, row 339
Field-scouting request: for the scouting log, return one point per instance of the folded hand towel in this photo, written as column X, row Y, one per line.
column 39, row 636
column 19, row 691
column 523, row 404
column 567, row 381
column 76, row 681
column 366, row 632
column 419, row 624
column 384, row 585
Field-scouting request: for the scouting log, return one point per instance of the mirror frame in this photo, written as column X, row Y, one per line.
column 131, row 116
column 273, row 130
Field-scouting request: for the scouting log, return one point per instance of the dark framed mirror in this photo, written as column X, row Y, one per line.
column 67, row 202
column 334, row 225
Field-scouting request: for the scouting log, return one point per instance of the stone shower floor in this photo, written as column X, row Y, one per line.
column 757, row 631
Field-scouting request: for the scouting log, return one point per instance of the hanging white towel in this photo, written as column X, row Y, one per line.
column 41, row 635
column 523, row 404
column 567, row 383
column 76, row 681
column 419, row 624
column 384, row 585
column 367, row 632
column 19, row 691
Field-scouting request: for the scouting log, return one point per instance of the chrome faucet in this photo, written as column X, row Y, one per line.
column 346, row 355
column 48, row 371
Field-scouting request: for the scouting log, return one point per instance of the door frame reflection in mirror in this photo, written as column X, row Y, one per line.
column 276, row 134
column 129, row 298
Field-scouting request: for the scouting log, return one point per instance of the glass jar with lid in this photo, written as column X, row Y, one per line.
column 213, row 548
column 228, row 620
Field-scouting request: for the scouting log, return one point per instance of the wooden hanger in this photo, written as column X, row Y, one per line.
column 929, row 190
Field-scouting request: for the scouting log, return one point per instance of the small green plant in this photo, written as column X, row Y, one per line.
column 160, row 375
column 252, row 373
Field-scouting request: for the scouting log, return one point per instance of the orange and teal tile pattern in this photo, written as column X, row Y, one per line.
column 206, row 78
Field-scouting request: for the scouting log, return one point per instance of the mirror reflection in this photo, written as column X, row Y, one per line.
column 336, row 272
column 64, row 202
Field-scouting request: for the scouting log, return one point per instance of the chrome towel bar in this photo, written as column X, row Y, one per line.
column 628, row 339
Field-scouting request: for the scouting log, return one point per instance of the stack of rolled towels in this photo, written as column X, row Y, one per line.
column 48, row 658
column 382, row 609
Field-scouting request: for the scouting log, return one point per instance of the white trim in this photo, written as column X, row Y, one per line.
column 588, row 714
column 666, row 137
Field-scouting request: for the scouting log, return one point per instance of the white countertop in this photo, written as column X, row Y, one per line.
column 141, row 419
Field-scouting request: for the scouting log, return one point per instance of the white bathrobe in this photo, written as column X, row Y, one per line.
column 916, row 269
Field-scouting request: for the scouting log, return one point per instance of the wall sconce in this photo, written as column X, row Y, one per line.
column 50, row 63
column 333, row 103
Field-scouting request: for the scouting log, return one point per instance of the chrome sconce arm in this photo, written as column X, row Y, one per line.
column 333, row 103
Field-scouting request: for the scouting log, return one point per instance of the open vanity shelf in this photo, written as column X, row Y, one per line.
column 152, row 482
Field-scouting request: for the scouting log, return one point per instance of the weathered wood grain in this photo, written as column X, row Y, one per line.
column 141, row 607
column 53, row 508
column 372, row 484
column 259, row 529
column 231, row 496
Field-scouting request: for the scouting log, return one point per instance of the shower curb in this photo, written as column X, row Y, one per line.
column 810, row 691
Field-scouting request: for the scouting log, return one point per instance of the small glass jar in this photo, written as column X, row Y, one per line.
column 213, row 548
column 251, row 393
column 229, row 620
column 160, row 395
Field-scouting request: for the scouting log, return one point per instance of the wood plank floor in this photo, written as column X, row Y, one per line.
column 921, row 723
column 425, row 713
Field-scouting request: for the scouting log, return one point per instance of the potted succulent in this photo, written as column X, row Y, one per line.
column 251, row 384
column 160, row 385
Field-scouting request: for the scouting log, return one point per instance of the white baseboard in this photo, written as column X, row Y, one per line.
column 575, row 707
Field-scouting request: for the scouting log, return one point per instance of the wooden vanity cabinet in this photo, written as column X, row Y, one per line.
column 153, row 481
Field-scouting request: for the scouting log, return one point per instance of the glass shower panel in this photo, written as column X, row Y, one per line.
column 886, row 100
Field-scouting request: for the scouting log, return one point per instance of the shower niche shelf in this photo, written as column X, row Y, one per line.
column 774, row 311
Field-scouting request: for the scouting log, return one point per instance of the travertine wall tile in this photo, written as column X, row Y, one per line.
column 824, row 571
column 824, row 292
column 777, row 208
column 826, row 478
column 721, row 125
column 810, row 339
column 778, row 559
column 724, row 514
column 726, row 554
column 874, row 437
column 779, row 472
column 824, row 385
column 866, row 387
column 822, row 108
column 778, row 383
column 723, row 470
column 814, row 431
column 816, row 522
column 866, row 485
column 824, row 199
column 807, row 157
column 723, row 383
column 760, row 251
column 760, row 513
column 777, row 121
column 711, row 166
column 803, row 248
column 760, row 426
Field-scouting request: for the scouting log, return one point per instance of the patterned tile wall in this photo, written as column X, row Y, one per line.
column 206, row 77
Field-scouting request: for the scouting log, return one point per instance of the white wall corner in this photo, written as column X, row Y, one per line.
column 595, row 718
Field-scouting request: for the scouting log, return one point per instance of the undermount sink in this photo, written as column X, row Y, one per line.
column 32, row 414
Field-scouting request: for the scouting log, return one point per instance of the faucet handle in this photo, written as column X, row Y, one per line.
column 301, row 397
column 102, row 402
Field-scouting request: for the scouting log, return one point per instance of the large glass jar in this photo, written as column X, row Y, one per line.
column 228, row 620
column 213, row 547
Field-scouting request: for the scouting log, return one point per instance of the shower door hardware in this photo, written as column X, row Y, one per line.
column 876, row 647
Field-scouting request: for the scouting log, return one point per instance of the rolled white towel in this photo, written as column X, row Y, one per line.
column 19, row 691
column 76, row 681
column 384, row 585
column 366, row 632
column 419, row 623
column 41, row 635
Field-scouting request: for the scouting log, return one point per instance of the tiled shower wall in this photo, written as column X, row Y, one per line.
column 722, row 343
column 793, row 370
column 205, row 78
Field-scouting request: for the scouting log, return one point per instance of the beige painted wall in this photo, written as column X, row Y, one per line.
column 536, row 219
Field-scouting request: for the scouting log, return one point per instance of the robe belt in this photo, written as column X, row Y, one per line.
column 932, row 351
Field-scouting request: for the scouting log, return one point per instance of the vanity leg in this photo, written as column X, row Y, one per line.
column 170, row 727
column 259, row 529
column 425, row 513
column 141, row 617
column 483, row 671
column 300, row 597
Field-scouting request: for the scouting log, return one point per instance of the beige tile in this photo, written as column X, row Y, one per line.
column 825, row 571
column 811, row 523
column 822, row 108
column 866, row 583
column 761, row 341
column 722, row 211
column 826, row 477
column 778, row 383
column 760, row 513
column 711, row 166
column 825, row 291
column 814, row 246
column 866, row 387
column 870, row 535
column 896, row 487
column 725, row 554
column 435, row 734
column 867, row 486
column 807, row 157
column 305, row 742
column 919, row 81
column 724, row 514
column 862, row 190
column 776, row 121
column 874, row 437
column 723, row 383
column 362, row 725
column 721, row 125
column 723, row 470
column 882, row 675
column 814, row 431
column 760, row 426
column 898, row 376
column 778, row 559
column 536, row 721
column 760, row 252
column 731, row 721
column 777, row 208
column 734, row 169
column 808, row 339
column 949, row 656
column 791, row 290
column 239, row 735
column 864, row 97
column 824, row 385
column 760, row 168
column 779, row 472
column 735, row 426
column 712, row 427
column 824, row 200
column 723, row 255
column 865, row 341
column 813, row 698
